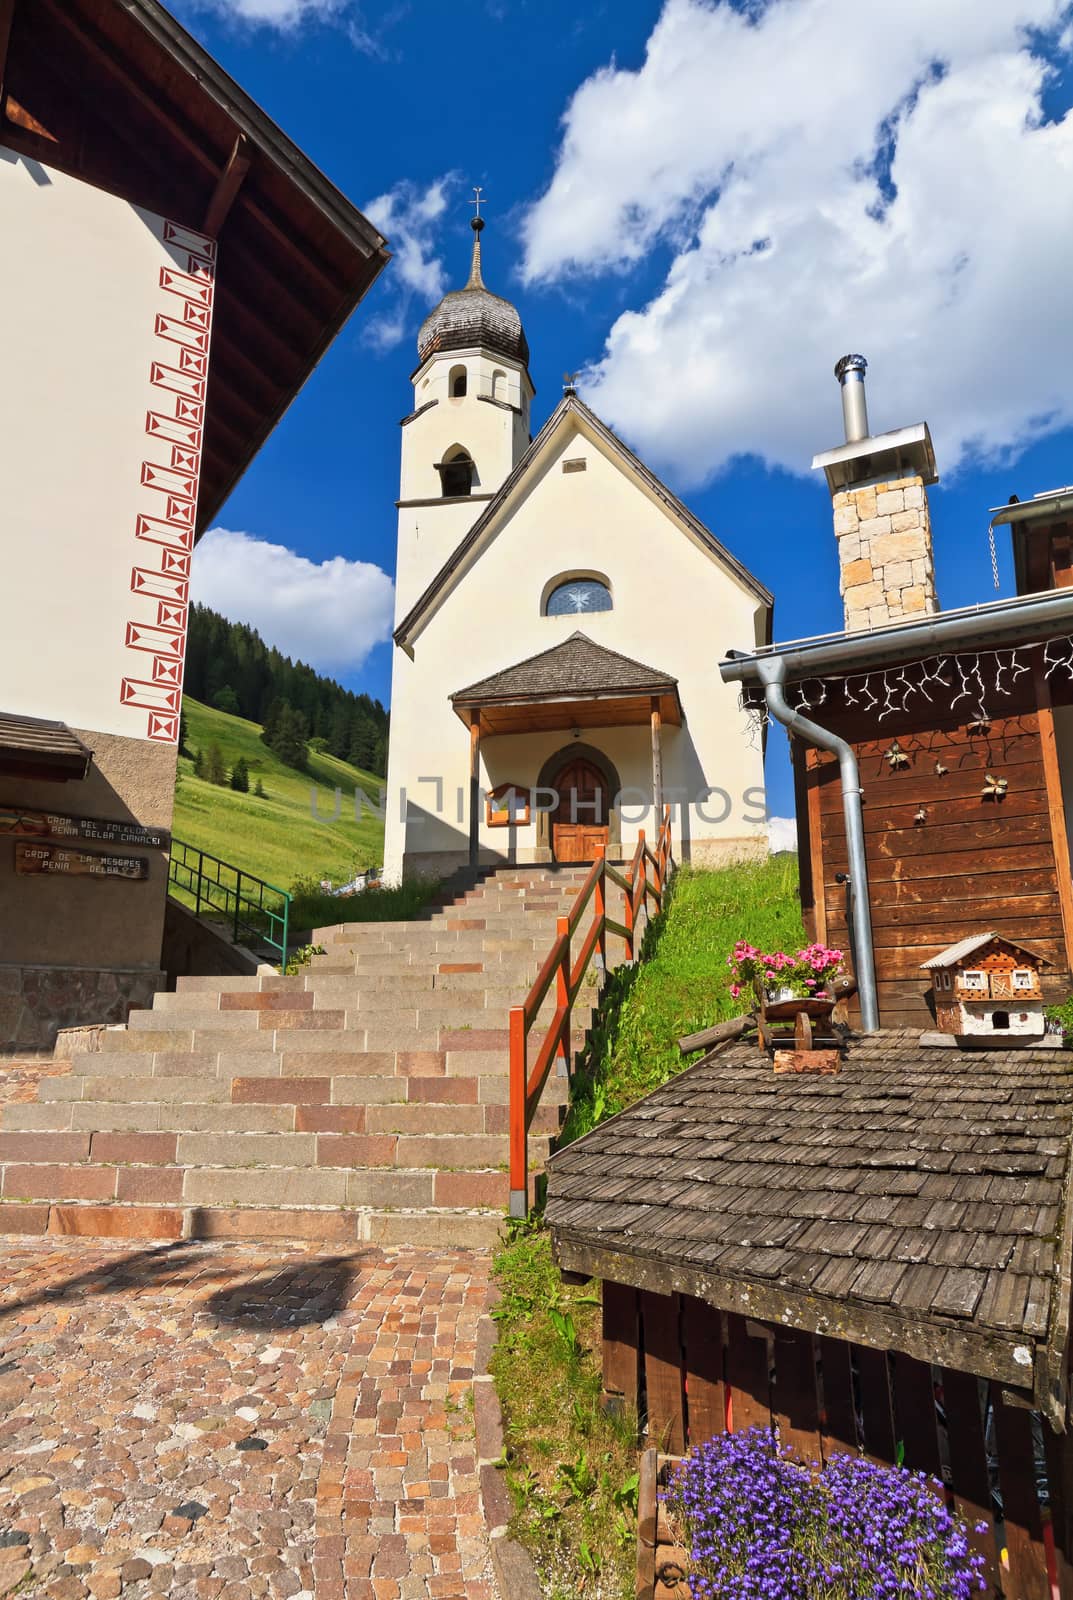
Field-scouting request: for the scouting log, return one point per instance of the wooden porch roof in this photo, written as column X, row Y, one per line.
column 919, row 1200
column 575, row 684
column 33, row 748
column 116, row 93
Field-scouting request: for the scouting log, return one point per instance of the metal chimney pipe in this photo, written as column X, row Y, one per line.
column 850, row 374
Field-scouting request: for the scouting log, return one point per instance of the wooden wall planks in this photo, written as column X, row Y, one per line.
column 696, row 1358
column 970, row 864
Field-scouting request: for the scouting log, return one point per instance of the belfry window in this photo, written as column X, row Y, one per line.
column 457, row 473
column 456, row 383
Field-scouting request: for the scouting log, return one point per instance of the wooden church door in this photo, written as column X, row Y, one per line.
column 579, row 840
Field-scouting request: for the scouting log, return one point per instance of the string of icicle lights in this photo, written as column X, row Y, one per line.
column 967, row 681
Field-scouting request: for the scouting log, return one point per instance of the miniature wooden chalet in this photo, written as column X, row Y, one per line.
column 986, row 985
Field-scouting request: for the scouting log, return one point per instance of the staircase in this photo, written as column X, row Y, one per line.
column 364, row 1099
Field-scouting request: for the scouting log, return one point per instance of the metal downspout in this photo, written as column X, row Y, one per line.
column 772, row 673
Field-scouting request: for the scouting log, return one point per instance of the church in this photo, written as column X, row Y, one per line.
column 559, row 617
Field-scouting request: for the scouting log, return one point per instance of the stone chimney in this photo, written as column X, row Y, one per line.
column 878, row 485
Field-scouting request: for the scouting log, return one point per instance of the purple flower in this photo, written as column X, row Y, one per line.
column 762, row 1525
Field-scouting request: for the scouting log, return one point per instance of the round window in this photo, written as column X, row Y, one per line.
column 577, row 595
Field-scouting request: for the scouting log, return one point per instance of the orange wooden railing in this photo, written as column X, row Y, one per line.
column 526, row 1087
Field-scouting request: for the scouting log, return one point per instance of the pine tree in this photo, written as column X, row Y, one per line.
column 183, row 731
column 288, row 738
column 259, row 791
column 229, row 665
column 215, row 770
column 226, row 700
column 199, row 764
column 240, row 776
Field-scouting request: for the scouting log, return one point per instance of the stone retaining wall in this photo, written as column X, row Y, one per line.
column 37, row 1001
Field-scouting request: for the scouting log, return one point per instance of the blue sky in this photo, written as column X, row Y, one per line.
column 700, row 206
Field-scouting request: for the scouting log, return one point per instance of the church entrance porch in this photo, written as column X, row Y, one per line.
column 576, row 685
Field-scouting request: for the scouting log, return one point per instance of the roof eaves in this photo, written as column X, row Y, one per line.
column 1024, row 618
column 943, row 1341
column 270, row 139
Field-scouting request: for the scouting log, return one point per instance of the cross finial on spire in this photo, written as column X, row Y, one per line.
column 569, row 384
column 477, row 224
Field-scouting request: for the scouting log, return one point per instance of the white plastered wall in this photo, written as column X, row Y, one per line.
column 675, row 608
column 105, row 311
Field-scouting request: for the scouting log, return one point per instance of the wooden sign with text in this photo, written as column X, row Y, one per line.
column 55, row 825
column 35, row 858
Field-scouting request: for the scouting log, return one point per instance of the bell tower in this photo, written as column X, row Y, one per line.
column 469, row 426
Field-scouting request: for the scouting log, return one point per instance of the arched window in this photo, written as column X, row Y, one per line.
column 499, row 385
column 571, row 596
column 456, row 383
column 457, row 472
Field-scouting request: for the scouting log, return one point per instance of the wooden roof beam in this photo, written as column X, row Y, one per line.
column 227, row 187
column 7, row 13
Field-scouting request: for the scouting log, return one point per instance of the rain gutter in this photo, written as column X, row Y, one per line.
column 772, row 673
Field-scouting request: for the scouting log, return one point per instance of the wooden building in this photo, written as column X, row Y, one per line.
column 174, row 268
column 877, row 1260
column 964, row 804
column 961, row 723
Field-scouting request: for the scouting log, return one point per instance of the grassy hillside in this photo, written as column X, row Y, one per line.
column 683, row 986
column 275, row 838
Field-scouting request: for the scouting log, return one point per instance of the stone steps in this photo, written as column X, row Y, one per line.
column 365, row 1097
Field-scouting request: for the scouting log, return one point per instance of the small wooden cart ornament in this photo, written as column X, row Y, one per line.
column 987, row 990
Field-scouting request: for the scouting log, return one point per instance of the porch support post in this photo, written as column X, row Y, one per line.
column 657, row 761
column 474, row 787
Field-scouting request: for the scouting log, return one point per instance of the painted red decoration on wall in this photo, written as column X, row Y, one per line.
column 169, row 476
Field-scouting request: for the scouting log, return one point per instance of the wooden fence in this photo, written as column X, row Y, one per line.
column 568, row 976
column 693, row 1372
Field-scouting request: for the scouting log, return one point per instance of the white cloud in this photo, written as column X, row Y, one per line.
column 275, row 13
column 288, row 15
column 410, row 217
column 828, row 176
column 781, row 833
column 328, row 614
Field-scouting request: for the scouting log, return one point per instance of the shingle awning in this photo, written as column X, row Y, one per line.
column 576, row 684
column 33, row 748
column 918, row 1200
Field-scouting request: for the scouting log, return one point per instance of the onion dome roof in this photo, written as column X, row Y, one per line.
column 474, row 315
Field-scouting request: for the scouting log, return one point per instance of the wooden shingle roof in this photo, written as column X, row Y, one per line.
column 918, row 1200
column 30, row 746
column 577, row 667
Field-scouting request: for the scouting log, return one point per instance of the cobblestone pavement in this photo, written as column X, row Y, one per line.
column 212, row 1422
column 20, row 1076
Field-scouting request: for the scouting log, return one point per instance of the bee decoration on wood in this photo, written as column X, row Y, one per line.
column 921, row 816
column 897, row 757
column 940, row 770
column 994, row 788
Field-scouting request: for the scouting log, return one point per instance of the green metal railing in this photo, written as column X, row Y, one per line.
column 254, row 911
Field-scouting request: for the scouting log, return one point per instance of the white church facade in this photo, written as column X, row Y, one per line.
column 559, row 614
